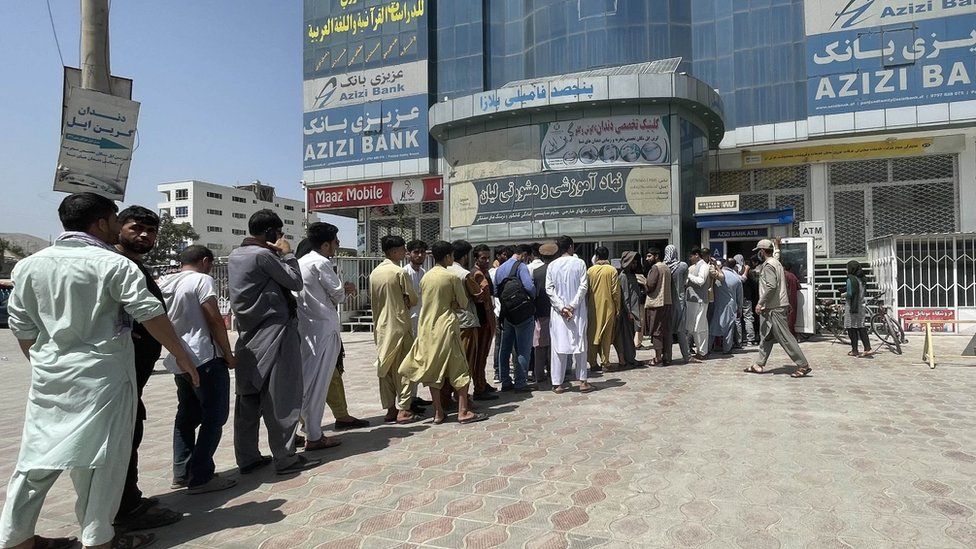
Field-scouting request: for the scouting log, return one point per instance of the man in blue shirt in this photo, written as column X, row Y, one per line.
column 518, row 319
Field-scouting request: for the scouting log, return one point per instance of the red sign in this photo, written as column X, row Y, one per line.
column 376, row 193
column 909, row 315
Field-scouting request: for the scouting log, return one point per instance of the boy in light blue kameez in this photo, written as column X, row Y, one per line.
column 71, row 310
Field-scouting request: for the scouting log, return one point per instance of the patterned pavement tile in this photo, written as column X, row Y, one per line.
column 862, row 454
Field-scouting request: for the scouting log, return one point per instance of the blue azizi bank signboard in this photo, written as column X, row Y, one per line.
column 365, row 90
column 882, row 54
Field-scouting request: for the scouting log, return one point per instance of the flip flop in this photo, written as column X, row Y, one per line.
column 587, row 389
column 754, row 369
column 133, row 541
column 473, row 419
column 439, row 421
column 802, row 372
column 414, row 418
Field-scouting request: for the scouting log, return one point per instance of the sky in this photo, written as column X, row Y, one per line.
column 220, row 85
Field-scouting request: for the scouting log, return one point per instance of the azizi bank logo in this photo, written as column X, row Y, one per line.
column 855, row 13
column 852, row 14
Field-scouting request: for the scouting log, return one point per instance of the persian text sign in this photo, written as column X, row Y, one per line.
column 364, row 86
column 824, row 16
column 606, row 142
column 377, row 193
column 909, row 315
column 845, row 151
column 557, row 195
column 381, row 131
column 96, row 144
column 928, row 62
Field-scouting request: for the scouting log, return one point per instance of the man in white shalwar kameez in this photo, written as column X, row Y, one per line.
column 566, row 285
column 318, row 325
column 72, row 309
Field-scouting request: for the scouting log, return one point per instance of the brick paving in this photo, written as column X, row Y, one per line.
column 878, row 453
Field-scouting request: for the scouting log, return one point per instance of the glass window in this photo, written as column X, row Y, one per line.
column 215, row 212
column 290, row 208
column 238, row 232
column 182, row 211
column 214, row 195
column 237, row 215
column 212, row 229
column 182, row 194
column 239, row 199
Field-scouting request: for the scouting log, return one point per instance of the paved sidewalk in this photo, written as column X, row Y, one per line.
column 864, row 453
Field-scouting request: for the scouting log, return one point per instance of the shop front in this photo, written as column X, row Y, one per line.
column 608, row 159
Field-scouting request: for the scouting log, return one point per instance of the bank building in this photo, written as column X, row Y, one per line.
column 846, row 127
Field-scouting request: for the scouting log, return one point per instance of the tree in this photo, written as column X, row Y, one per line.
column 170, row 241
column 8, row 246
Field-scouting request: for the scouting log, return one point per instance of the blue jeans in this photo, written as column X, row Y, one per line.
column 519, row 337
column 206, row 407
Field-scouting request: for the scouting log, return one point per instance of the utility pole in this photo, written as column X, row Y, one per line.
column 95, row 69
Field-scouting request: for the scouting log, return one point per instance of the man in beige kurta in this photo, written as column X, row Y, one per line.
column 391, row 294
column 436, row 356
column 603, row 303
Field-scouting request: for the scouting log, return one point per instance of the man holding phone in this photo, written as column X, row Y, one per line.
column 262, row 275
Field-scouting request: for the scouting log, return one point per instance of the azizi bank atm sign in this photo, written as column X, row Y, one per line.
column 376, row 193
column 882, row 54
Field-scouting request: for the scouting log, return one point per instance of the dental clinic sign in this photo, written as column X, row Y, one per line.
column 882, row 54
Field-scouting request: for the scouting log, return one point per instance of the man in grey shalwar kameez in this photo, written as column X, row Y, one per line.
column 728, row 304
column 679, row 279
column 262, row 278
column 631, row 312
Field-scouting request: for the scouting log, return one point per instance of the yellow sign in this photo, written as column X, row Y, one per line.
column 828, row 153
column 371, row 19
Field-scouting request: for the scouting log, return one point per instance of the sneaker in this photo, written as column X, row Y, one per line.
column 215, row 484
column 179, row 483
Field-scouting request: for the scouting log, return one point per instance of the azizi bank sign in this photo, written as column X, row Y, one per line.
column 884, row 54
column 376, row 193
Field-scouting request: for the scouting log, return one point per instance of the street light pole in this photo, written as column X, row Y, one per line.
column 94, row 46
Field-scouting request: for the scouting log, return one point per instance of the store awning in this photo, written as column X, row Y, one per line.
column 754, row 218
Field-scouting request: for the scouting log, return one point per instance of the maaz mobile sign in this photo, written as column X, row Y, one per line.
column 880, row 54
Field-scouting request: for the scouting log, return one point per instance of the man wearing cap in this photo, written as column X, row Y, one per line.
column 772, row 309
column 541, row 341
column 696, row 307
column 631, row 310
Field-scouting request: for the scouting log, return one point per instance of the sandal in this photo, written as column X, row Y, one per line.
column 868, row 354
column 322, row 444
column 852, row 353
column 132, row 541
column 802, row 372
column 585, row 388
column 439, row 421
column 754, row 369
column 414, row 418
column 559, row 389
column 473, row 419
column 148, row 518
column 55, row 543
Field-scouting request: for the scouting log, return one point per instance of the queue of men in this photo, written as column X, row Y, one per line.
column 93, row 321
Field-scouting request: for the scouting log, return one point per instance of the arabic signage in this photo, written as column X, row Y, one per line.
column 824, row 16
column 725, row 203
column 842, row 151
column 928, row 60
column 381, row 131
column 559, row 195
column 364, row 86
column 605, row 142
column 340, row 35
column 551, row 92
column 96, row 144
column 377, row 193
column 908, row 316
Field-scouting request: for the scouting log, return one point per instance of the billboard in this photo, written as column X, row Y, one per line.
column 376, row 193
column 557, row 195
column 605, row 142
column 365, row 91
column 882, row 54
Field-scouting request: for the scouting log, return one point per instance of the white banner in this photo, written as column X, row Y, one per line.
column 823, row 16
column 356, row 88
column 616, row 141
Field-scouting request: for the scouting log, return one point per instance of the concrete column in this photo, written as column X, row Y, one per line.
column 967, row 185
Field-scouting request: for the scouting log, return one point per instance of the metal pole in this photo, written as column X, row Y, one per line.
column 94, row 46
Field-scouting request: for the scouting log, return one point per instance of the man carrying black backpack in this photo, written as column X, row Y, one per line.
column 516, row 291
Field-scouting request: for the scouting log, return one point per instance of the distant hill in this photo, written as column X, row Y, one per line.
column 30, row 243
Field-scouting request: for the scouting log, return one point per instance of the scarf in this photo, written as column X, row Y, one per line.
column 854, row 274
column 671, row 257
column 289, row 297
column 87, row 239
column 740, row 262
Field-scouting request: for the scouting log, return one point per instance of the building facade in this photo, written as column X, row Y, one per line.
column 219, row 213
column 842, row 120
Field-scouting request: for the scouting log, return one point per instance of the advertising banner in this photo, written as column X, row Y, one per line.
column 376, row 193
column 365, row 94
column 616, row 141
column 557, row 195
column 381, row 131
column 97, row 136
column 845, row 151
column 878, row 54
column 908, row 316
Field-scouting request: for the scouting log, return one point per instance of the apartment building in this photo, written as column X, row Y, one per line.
column 219, row 213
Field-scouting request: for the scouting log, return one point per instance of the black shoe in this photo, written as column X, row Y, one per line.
column 300, row 465
column 421, row 402
column 485, row 396
column 509, row 388
column 418, row 409
column 251, row 467
column 351, row 424
column 526, row 389
column 491, row 388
